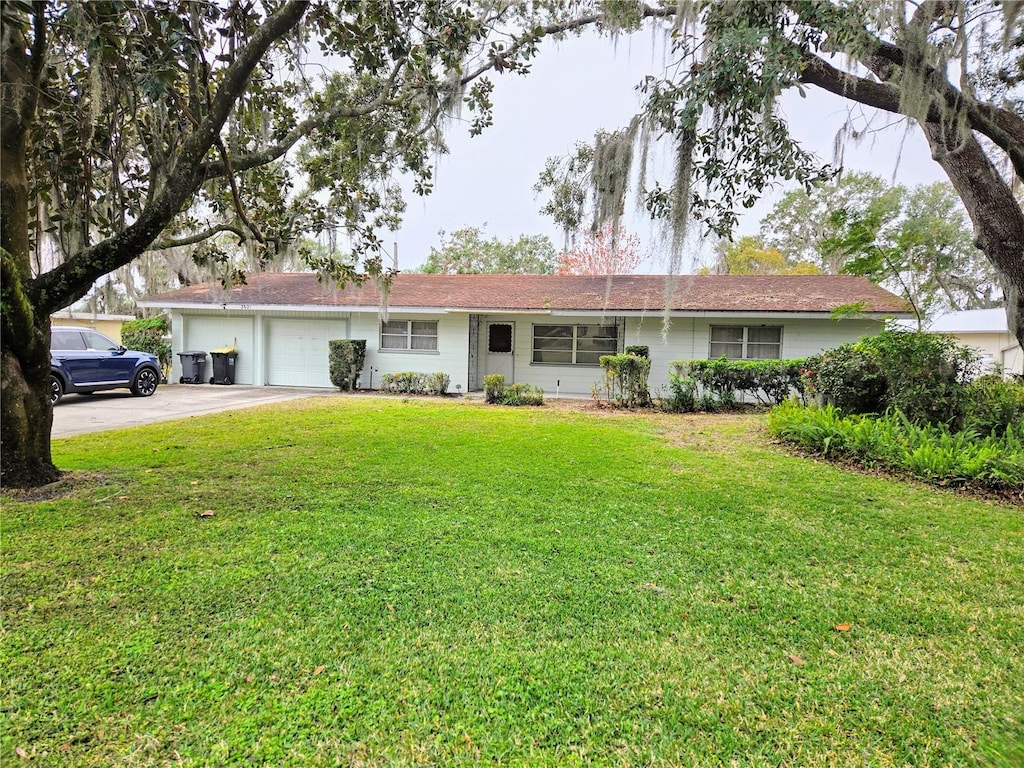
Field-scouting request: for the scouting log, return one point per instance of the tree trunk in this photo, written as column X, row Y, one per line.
column 25, row 412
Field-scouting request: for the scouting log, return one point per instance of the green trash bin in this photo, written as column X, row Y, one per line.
column 224, row 365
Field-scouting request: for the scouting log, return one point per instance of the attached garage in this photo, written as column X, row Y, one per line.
column 206, row 333
column 297, row 351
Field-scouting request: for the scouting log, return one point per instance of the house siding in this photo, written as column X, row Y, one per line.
column 451, row 355
column 689, row 338
column 685, row 338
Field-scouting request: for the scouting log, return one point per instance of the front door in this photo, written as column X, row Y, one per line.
column 500, row 350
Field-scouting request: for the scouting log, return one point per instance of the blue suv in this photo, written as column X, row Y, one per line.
column 83, row 361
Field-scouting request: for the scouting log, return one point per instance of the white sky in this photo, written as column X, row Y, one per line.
column 576, row 87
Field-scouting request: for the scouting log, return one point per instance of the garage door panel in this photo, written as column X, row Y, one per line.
column 209, row 333
column 297, row 352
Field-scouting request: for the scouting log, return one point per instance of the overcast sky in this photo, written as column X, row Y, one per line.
column 577, row 87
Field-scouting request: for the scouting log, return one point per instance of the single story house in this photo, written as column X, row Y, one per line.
column 546, row 330
column 987, row 331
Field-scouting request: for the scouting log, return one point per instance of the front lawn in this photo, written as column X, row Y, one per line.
column 377, row 582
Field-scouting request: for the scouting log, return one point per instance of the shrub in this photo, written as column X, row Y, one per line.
column 437, row 383
column 849, row 378
column 993, row 404
column 494, row 387
column 413, row 383
column 346, row 361
column 683, row 394
column 625, row 379
column 522, row 394
column 921, row 374
column 149, row 335
column 927, row 375
column 931, row 452
column 767, row 381
column 640, row 350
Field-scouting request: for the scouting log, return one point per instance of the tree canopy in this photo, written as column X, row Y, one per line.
column 469, row 251
column 915, row 241
column 951, row 67
column 750, row 256
column 605, row 252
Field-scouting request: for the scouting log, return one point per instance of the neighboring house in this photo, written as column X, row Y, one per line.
column 108, row 325
column 547, row 330
column 987, row 331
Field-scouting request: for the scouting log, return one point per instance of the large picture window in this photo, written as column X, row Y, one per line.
column 574, row 344
column 746, row 342
column 409, row 335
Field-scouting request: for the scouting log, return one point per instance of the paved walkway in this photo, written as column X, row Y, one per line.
column 78, row 414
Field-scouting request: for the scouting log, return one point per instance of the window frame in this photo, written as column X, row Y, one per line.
column 574, row 339
column 408, row 337
column 746, row 343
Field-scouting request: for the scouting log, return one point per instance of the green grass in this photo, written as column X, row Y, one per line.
column 405, row 583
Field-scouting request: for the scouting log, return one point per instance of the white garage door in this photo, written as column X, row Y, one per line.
column 209, row 333
column 297, row 351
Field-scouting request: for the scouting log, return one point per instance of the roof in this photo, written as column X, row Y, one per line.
column 611, row 293
column 971, row 321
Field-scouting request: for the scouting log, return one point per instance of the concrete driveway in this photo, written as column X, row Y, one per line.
column 78, row 414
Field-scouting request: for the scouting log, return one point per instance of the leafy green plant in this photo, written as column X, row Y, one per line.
column 640, row 350
column 347, row 357
column 766, row 381
column 625, row 379
column 932, row 452
column 682, row 394
column 494, row 387
column 522, row 394
column 149, row 334
column 414, row 383
column 921, row 374
column 993, row 404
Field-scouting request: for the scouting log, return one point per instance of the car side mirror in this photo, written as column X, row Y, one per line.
column 121, row 349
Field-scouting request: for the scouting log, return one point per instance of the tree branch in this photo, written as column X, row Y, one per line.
column 1003, row 128
column 216, row 169
column 198, row 237
column 72, row 279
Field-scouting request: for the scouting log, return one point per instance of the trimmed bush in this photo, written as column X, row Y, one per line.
column 413, row 383
column 494, row 387
column 149, row 335
column 347, row 357
column 496, row 393
column 640, row 350
column 625, row 379
column 522, row 394
column 767, row 381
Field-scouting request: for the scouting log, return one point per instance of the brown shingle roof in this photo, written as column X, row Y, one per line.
column 626, row 293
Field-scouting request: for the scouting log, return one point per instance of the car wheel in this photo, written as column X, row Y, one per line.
column 145, row 382
column 56, row 390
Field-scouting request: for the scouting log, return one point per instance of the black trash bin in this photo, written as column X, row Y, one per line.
column 224, row 365
column 193, row 365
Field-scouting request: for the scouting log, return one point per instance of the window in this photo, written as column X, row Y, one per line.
column 746, row 342
column 412, row 335
column 574, row 344
column 67, row 340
